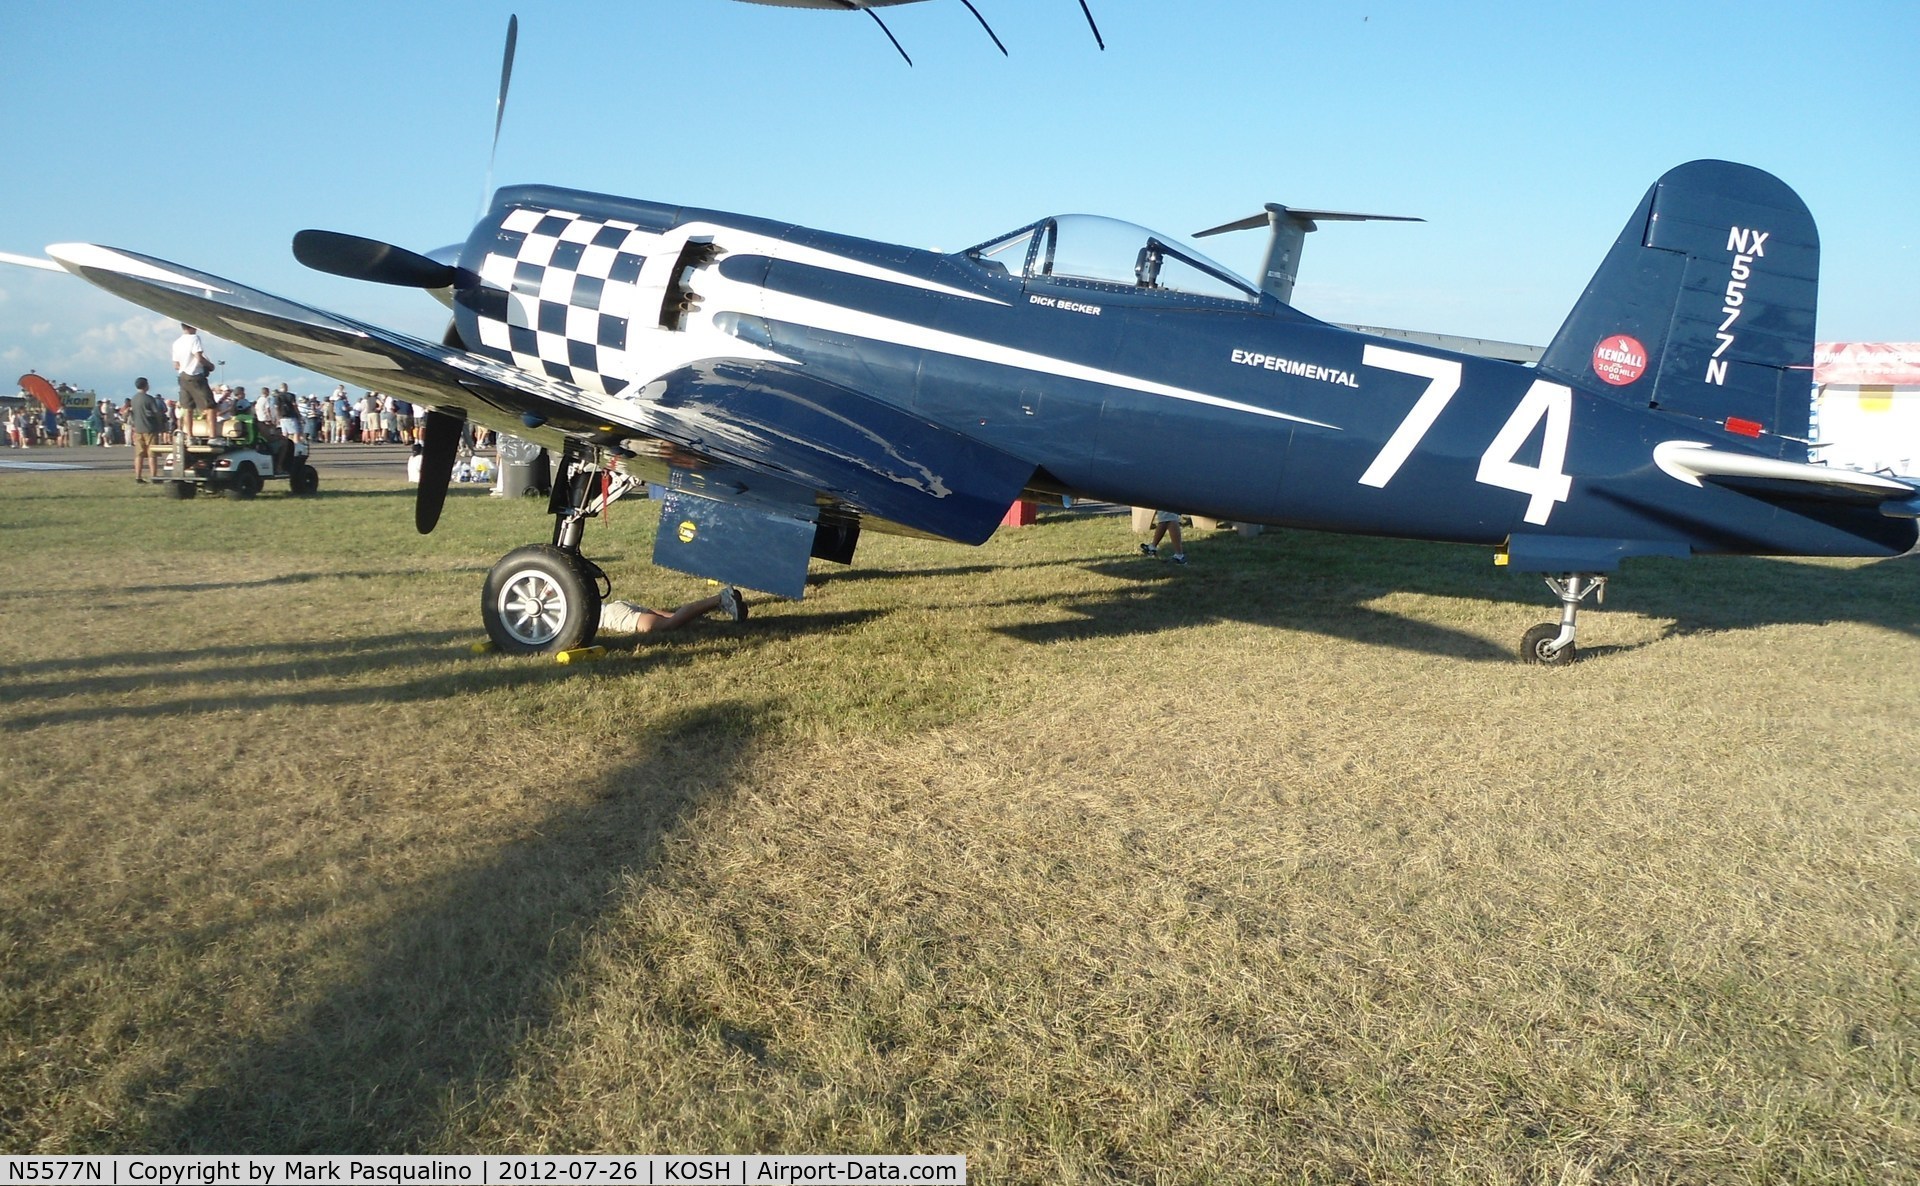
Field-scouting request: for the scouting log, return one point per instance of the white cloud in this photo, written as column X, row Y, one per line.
column 133, row 344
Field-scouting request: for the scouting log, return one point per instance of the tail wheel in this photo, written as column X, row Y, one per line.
column 1536, row 646
column 541, row 600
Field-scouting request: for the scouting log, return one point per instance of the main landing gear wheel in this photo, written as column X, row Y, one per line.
column 1535, row 648
column 541, row 600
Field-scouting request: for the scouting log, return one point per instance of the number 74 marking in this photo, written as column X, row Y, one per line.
column 1544, row 484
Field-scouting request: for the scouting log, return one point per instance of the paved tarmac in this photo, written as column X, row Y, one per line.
column 340, row 461
column 386, row 462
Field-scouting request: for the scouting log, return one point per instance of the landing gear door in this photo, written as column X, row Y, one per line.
column 752, row 545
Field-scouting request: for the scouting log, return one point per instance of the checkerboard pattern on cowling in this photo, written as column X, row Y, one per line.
column 557, row 292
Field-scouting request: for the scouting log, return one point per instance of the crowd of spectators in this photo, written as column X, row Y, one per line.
column 336, row 418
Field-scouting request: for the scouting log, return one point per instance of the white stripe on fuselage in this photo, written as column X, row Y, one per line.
column 828, row 316
column 825, row 315
column 755, row 300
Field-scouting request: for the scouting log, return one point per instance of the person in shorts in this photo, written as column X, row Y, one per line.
column 148, row 420
column 191, row 361
column 1165, row 522
column 286, row 409
column 628, row 617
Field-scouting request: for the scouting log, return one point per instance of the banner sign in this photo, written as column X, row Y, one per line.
column 1867, row 364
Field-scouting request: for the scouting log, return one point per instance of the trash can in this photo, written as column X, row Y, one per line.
column 523, row 469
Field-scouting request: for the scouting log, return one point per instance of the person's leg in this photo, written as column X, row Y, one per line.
column 683, row 614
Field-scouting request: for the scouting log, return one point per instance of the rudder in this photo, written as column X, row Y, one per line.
column 1705, row 307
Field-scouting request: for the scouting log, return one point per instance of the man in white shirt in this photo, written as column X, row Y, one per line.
column 191, row 361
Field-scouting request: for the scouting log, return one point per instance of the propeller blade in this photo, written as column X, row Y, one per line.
column 506, row 76
column 369, row 259
column 890, row 37
column 1097, row 39
column 500, row 103
column 1243, row 224
column 442, row 441
column 30, row 261
column 986, row 26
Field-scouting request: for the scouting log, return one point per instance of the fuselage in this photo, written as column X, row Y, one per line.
column 1144, row 379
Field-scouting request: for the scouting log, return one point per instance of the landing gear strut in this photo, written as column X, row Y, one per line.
column 545, row 598
column 1551, row 643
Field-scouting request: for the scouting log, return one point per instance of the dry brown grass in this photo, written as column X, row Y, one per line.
column 1275, row 868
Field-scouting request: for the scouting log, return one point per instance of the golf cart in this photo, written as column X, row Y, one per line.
column 239, row 463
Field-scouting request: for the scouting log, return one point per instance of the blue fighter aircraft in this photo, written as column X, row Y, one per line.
column 792, row 388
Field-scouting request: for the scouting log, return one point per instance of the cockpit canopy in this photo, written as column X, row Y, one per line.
column 1106, row 251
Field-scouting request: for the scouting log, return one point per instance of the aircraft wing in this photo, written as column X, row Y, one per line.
column 727, row 430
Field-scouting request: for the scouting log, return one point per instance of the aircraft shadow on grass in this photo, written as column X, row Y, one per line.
column 453, row 991
column 291, row 578
column 1322, row 583
column 260, row 673
column 160, row 661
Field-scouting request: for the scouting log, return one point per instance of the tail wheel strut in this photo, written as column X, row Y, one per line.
column 1551, row 643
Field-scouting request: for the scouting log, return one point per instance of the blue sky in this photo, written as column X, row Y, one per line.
column 1523, row 133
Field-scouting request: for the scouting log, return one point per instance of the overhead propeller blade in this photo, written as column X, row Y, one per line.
column 986, row 26
column 357, row 258
column 441, row 441
column 890, row 37
column 1097, row 39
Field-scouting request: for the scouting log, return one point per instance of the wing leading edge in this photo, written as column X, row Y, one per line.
column 727, row 430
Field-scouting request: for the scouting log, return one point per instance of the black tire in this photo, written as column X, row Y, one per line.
column 541, row 600
column 246, row 482
column 1534, row 649
column 304, row 481
column 177, row 489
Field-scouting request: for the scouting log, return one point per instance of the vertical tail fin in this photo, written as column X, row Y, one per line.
column 1705, row 307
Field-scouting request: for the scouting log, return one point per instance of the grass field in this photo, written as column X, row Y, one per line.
column 1090, row 868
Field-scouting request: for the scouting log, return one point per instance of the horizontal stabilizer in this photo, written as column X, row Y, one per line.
column 1695, row 463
